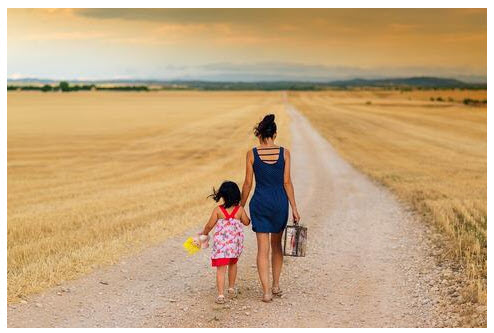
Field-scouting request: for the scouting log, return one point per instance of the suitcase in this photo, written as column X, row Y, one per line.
column 295, row 241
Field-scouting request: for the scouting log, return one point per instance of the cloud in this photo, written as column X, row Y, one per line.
column 258, row 43
column 255, row 16
column 181, row 15
column 73, row 35
column 16, row 76
column 399, row 27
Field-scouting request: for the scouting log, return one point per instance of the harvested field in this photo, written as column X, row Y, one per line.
column 92, row 176
column 433, row 155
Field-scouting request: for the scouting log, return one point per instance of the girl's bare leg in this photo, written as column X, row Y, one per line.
column 276, row 258
column 220, row 279
column 232, row 275
column 263, row 262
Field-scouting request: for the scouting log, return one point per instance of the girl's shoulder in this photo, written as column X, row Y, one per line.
column 217, row 211
column 214, row 212
column 240, row 212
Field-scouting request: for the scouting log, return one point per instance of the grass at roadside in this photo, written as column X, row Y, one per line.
column 431, row 154
column 92, row 176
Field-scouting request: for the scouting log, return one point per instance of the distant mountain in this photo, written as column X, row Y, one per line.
column 422, row 81
column 33, row 80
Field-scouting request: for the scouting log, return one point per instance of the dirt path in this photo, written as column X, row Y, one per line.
column 369, row 264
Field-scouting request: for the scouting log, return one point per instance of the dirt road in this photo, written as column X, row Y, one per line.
column 369, row 264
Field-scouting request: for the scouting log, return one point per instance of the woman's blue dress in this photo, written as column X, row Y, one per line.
column 269, row 204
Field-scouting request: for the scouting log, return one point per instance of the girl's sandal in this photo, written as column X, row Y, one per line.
column 267, row 298
column 233, row 292
column 220, row 299
column 277, row 292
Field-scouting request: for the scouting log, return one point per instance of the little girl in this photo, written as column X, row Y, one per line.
column 228, row 236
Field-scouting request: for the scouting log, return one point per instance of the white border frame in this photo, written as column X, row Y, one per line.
column 199, row 4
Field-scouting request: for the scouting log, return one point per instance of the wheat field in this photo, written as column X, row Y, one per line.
column 94, row 176
column 433, row 155
column 413, row 95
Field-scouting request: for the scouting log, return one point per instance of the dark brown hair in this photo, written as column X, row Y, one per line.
column 229, row 192
column 266, row 127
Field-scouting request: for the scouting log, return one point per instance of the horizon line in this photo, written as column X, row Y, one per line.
column 170, row 80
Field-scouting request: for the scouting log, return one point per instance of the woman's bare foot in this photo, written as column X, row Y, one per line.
column 276, row 291
column 266, row 298
column 220, row 299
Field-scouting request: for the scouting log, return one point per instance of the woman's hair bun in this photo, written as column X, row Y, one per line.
column 266, row 127
column 269, row 118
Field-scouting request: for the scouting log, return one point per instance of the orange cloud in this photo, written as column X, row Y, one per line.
column 72, row 35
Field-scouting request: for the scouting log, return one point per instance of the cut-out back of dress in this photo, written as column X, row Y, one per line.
column 269, row 155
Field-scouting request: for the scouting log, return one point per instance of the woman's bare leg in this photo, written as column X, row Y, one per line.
column 263, row 262
column 220, row 279
column 276, row 258
column 232, row 275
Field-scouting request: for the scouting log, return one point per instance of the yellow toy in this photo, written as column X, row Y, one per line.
column 191, row 246
column 194, row 244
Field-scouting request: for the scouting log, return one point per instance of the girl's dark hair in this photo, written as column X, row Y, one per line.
column 266, row 127
column 229, row 192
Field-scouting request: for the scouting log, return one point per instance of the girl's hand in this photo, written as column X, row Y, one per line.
column 296, row 216
column 204, row 241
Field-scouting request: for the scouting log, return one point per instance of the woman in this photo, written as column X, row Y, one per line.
column 269, row 204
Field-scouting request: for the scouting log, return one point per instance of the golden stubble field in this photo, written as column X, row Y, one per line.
column 92, row 176
column 433, row 155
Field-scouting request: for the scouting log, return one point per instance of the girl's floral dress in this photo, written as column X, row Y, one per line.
column 228, row 239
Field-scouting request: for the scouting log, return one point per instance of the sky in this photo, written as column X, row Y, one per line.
column 246, row 44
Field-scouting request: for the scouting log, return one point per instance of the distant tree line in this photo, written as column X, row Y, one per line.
column 66, row 87
column 470, row 101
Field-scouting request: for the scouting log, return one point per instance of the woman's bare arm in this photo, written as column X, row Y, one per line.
column 243, row 217
column 249, row 173
column 287, row 183
column 211, row 223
